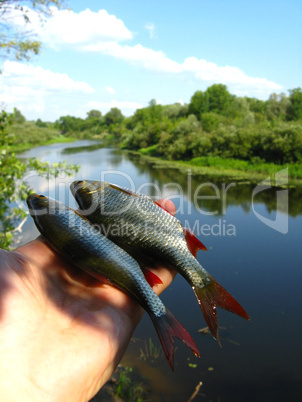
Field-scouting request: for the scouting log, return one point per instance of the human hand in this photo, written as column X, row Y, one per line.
column 62, row 333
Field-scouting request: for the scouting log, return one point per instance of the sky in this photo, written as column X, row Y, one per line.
column 118, row 53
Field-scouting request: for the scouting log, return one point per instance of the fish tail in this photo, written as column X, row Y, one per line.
column 168, row 327
column 214, row 295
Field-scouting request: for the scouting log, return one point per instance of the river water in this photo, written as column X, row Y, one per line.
column 254, row 241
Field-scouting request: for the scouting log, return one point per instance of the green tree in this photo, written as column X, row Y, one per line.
column 114, row 116
column 18, row 116
column 276, row 106
column 41, row 123
column 198, row 104
column 218, row 98
column 94, row 114
column 294, row 109
column 12, row 188
column 17, row 43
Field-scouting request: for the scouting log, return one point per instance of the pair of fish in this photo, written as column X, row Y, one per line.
column 132, row 229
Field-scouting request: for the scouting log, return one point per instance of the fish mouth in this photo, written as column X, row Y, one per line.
column 80, row 191
column 36, row 202
column 75, row 186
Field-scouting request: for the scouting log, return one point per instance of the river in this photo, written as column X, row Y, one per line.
column 254, row 241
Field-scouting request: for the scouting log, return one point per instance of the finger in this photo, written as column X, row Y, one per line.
column 168, row 205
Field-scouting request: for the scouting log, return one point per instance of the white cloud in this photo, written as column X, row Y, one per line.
column 201, row 70
column 28, row 76
column 207, row 71
column 28, row 88
column 150, row 28
column 142, row 56
column 127, row 107
column 110, row 90
column 102, row 33
column 68, row 27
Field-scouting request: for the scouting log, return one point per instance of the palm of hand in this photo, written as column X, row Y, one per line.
column 61, row 333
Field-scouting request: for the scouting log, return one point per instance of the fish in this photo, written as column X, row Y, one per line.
column 72, row 236
column 146, row 230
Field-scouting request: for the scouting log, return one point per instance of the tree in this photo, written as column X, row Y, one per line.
column 276, row 106
column 12, row 188
column 41, row 123
column 218, row 98
column 94, row 114
column 198, row 104
column 294, row 109
column 18, row 116
column 113, row 116
column 16, row 44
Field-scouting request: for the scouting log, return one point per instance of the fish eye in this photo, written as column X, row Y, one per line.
column 41, row 196
column 80, row 182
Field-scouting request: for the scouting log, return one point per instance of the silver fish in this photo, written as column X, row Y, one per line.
column 76, row 239
column 144, row 229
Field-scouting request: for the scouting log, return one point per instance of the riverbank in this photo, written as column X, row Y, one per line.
column 18, row 148
column 226, row 169
column 209, row 166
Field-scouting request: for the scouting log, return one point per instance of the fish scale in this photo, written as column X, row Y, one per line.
column 75, row 238
column 147, row 230
column 140, row 211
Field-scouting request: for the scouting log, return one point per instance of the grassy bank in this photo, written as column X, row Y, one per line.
column 233, row 169
column 18, row 148
column 22, row 136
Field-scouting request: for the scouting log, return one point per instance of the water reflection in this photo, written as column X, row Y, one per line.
column 259, row 266
column 86, row 148
column 220, row 193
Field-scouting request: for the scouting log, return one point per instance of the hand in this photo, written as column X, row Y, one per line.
column 62, row 333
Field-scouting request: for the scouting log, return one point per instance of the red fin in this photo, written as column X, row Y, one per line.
column 123, row 190
column 168, row 327
column 214, row 295
column 193, row 243
column 151, row 278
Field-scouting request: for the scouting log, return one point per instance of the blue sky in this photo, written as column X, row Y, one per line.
column 119, row 53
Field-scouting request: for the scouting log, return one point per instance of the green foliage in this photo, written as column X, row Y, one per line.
column 94, row 114
column 198, row 104
column 216, row 123
column 126, row 389
column 295, row 170
column 114, row 116
column 276, row 106
column 211, row 120
column 16, row 43
column 294, row 109
column 218, row 98
column 12, row 170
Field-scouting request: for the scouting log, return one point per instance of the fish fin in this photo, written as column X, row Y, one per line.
column 168, row 327
column 193, row 243
column 214, row 295
column 151, row 278
column 123, row 190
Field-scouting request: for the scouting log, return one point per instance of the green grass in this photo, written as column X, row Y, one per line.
column 23, row 136
column 294, row 170
column 17, row 148
column 227, row 169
